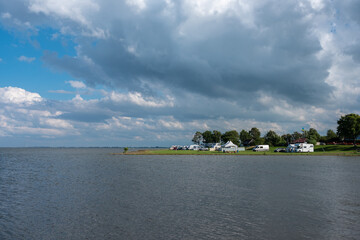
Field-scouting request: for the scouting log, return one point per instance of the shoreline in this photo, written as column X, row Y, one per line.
column 244, row 153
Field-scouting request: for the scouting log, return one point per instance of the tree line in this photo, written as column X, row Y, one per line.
column 348, row 129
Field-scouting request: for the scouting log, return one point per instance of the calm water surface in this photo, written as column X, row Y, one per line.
column 87, row 193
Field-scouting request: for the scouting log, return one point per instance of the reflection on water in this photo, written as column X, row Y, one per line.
column 87, row 193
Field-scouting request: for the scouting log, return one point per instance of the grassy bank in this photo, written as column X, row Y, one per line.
column 328, row 150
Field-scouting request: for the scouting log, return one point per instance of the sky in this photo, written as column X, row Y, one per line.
column 79, row 73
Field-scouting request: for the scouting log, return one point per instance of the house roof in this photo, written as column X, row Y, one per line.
column 300, row 140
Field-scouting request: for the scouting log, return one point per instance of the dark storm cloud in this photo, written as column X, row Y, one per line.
column 216, row 56
column 20, row 18
column 352, row 9
column 89, row 117
column 349, row 11
column 354, row 51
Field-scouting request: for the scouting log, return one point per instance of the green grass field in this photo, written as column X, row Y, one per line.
column 331, row 150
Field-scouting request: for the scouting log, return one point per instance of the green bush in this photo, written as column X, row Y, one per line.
column 312, row 141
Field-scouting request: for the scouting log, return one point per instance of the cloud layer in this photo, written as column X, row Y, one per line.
column 179, row 66
column 207, row 49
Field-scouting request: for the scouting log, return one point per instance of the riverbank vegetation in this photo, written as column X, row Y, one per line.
column 328, row 150
column 341, row 143
column 348, row 132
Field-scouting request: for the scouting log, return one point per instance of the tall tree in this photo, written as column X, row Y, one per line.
column 207, row 136
column 272, row 138
column 313, row 134
column 254, row 133
column 331, row 136
column 198, row 138
column 231, row 136
column 244, row 135
column 282, row 142
column 217, row 136
column 287, row 138
column 349, row 126
column 296, row 136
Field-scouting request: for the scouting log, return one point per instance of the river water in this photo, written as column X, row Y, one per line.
column 87, row 193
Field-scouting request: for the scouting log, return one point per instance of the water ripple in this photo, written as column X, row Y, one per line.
column 85, row 193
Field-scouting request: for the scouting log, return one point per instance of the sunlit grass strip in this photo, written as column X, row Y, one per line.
column 329, row 150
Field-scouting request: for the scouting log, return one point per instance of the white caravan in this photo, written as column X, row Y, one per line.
column 261, row 148
column 304, row 147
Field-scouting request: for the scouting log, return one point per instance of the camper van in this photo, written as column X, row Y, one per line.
column 300, row 147
column 261, row 148
column 304, row 147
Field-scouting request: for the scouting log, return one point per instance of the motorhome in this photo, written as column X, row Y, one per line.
column 300, row 147
column 261, row 148
column 304, row 147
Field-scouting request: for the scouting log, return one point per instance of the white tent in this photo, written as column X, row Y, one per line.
column 229, row 147
column 229, row 144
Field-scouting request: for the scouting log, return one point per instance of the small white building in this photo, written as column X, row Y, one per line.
column 229, row 147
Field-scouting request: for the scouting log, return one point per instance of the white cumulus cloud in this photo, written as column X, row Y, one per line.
column 138, row 99
column 74, row 10
column 18, row 96
column 79, row 11
column 26, row 59
column 77, row 84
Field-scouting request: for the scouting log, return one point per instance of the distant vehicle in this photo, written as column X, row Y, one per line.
column 304, row 147
column 194, row 147
column 280, row 150
column 261, row 148
column 203, row 149
column 178, row 147
column 300, row 147
column 291, row 148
